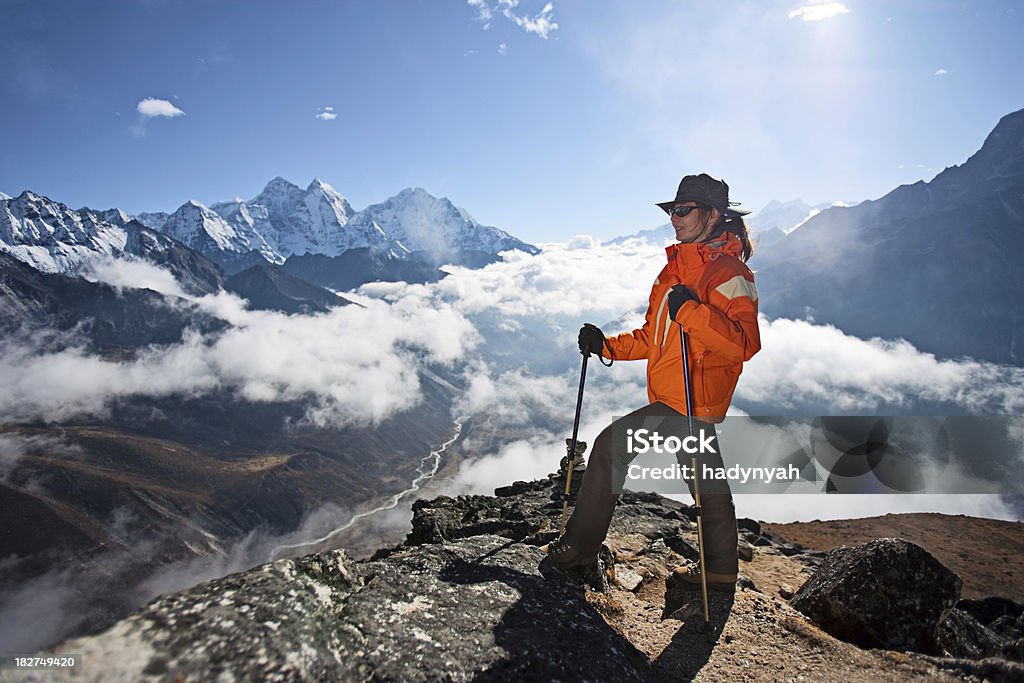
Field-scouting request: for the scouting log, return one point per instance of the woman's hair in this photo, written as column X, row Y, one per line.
column 733, row 224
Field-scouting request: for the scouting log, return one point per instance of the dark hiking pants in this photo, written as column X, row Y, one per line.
column 606, row 472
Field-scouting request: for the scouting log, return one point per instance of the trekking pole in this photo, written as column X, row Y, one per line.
column 572, row 446
column 696, row 480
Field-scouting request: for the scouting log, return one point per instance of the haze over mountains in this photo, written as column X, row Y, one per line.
column 936, row 263
column 773, row 222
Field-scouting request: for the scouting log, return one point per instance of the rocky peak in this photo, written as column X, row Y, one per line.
column 469, row 595
column 1002, row 154
column 115, row 216
column 279, row 196
column 961, row 224
column 416, row 221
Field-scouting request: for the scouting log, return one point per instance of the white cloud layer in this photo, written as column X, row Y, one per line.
column 360, row 363
column 132, row 273
column 801, row 362
column 510, row 328
column 154, row 107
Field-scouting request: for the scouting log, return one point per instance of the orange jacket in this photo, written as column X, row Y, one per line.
column 721, row 330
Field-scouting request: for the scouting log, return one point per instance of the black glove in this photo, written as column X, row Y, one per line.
column 679, row 295
column 591, row 340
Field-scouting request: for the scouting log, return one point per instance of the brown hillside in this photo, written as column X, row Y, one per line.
column 986, row 553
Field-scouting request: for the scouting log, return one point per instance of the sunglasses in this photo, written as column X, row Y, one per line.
column 682, row 211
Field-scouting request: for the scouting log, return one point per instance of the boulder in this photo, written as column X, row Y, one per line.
column 989, row 627
column 482, row 608
column 887, row 593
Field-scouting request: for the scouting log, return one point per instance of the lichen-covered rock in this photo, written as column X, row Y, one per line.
column 990, row 627
column 483, row 608
column 887, row 593
column 516, row 512
column 961, row 635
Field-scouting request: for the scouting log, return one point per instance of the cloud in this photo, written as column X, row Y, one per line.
column 151, row 107
column 541, row 24
column 502, row 49
column 526, row 307
column 483, row 10
column 942, row 72
column 802, row 363
column 132, row 273
column 14, row 445
column 326, row 114
column 512, row 325
column 510, row 328
column 819, row 11
column 357, row 364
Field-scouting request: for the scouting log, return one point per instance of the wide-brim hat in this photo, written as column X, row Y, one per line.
column 705, row 190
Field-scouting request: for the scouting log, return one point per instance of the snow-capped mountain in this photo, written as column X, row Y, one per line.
column 202, row 229
column 787, row 216
column 53, row 238
column 317, row 223
column 281, row 222
column 414, row 220
column 291, row 221
column 279, row 198
column 153, row 220
column 284, row 220
column 251, row 219
column 4, row 195
column 663, row 235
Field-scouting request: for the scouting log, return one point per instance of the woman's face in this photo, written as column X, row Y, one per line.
column 693, row 227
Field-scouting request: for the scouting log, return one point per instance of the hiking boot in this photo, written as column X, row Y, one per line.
column 565, row 555
column 688, row 577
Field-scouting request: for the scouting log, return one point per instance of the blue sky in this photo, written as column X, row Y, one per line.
column 547, row 119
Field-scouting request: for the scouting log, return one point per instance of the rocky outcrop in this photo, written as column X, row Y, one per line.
column 468, row 595
column 482, row 608
column 976, row 629
column 887, row 593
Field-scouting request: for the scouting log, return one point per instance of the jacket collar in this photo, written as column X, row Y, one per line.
column 702, row 252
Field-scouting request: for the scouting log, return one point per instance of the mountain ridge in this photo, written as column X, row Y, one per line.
column 927, row 262
column 281, row 222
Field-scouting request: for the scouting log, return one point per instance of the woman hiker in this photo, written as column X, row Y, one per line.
column 707, row 288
